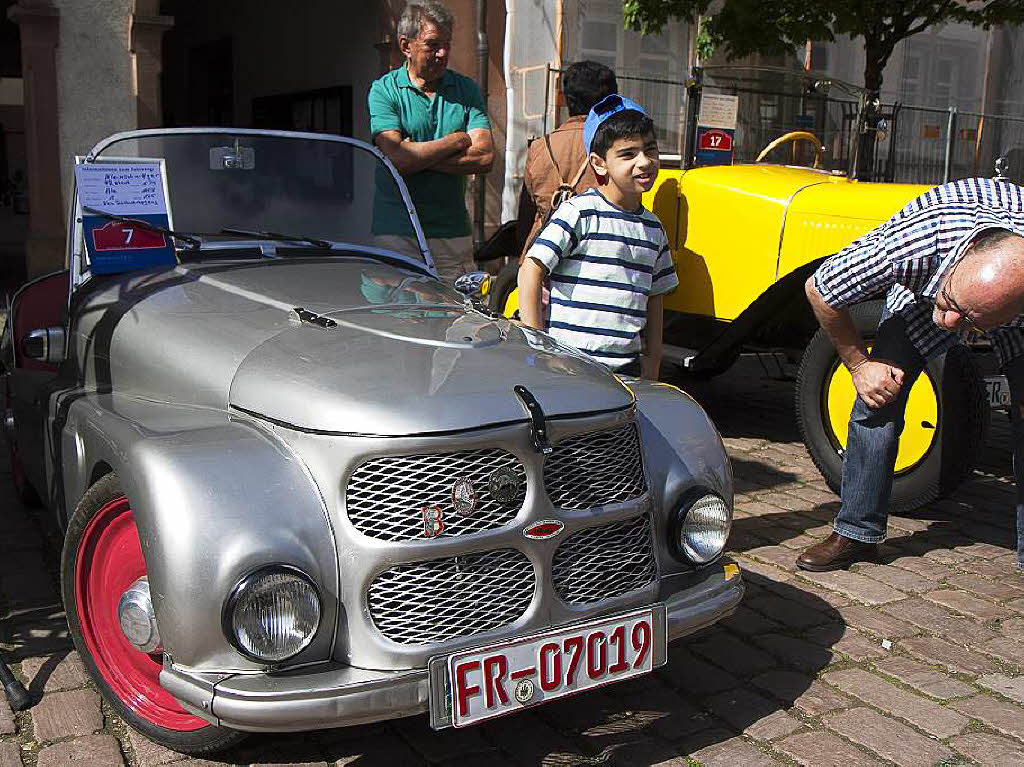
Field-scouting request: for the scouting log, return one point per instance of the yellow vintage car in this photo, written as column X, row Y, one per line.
column 745, row 238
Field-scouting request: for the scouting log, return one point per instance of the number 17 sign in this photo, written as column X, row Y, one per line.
column 136, row 192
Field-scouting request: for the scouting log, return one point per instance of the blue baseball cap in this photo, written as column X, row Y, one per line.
column 604, row 109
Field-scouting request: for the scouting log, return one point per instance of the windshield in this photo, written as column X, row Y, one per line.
column 277, row 194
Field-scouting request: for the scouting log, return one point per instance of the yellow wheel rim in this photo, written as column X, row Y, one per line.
column 511, row 304
column 922, row 415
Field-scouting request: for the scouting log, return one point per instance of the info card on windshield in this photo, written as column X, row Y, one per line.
column 118, row 198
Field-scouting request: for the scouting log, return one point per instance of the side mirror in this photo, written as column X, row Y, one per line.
column 474, row 286
column 45, row 345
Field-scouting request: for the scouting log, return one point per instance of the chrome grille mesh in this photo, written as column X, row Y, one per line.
column 603, row 562
column 442, row 599
column 385, row 496
column 595, row 469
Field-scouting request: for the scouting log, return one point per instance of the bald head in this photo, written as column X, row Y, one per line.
column 987, row 284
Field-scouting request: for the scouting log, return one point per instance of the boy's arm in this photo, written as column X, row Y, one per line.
column 531, row 280
column 650, row 359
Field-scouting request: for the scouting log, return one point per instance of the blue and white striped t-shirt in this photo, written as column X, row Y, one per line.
column 604, row 263
column 908, row 256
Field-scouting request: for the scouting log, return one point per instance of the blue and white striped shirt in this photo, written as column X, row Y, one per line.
column 604, row 263
column 908, row 256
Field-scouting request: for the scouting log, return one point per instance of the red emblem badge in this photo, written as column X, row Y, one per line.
column 433, row 521
column 546, row 528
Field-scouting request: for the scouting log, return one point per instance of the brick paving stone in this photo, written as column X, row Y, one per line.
column 746, row 621
column 527, row 739
column 982, row 550
column 857, row 587
column 150, row 754
column 780, row 556
column 10, row 755
column 933, row 570
column 752, row 715
column 967, row 604
column 850, row 642
column 660, row 709
column 998, row 714
column 733, row 654
column 919, row 711
column 641, row 753
column 909, row 524
column 440, row 745
column 1011, row 687
column 7, row 723
column 791, row 614
column 987, row 568
column 945, row 556
column 731, row 752
column 94, row 750
column 67, row 713
column 694, row 677
column 939, row 620
column 888, row 738
column 936, row 651
column 924, row 679
column 898, row 578
column 823, row 749
column 997, row 590
column 1007, row 649
column 809, row 695
column 878, row 623
column 770, row 572
column 387, row 750
column 796, row 653
column 985, row 748
column 60, row 671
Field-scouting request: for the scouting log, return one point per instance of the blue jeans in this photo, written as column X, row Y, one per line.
column 873, row 439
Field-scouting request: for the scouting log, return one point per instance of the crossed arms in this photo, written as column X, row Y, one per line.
column 459, row 153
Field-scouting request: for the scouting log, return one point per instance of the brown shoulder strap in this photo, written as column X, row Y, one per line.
column 580, row 172
column 551, row 154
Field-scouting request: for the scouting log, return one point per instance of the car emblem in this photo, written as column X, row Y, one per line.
column 546, row 528
column 503, row 485
column 524, row 690
column 433, row 521
column 463, row 497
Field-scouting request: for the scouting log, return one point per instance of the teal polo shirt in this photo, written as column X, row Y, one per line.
column 440, row 198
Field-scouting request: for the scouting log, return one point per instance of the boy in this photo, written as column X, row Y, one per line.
column 606, row 256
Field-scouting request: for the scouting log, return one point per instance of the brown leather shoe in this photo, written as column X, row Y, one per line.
column 835, row 553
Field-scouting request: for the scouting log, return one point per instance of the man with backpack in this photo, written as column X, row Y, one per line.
column 556, row 164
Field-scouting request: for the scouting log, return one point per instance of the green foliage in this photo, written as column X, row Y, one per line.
column 743, row 27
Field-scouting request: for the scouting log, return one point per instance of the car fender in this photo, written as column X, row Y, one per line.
column 682, row 449
column 214, row 497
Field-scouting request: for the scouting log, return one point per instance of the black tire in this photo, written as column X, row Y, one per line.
column 506, row 281
column 205, row 740
column 960, row 431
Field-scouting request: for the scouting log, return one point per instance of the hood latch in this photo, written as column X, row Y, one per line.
column 538, row 426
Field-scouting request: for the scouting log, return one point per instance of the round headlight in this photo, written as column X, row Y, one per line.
column 272, row 614
column 703, row 528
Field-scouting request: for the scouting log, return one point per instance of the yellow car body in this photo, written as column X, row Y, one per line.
column 737, row 230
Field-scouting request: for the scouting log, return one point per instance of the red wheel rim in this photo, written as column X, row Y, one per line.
column 109, row 559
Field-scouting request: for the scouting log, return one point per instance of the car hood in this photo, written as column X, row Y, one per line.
column 412, row 370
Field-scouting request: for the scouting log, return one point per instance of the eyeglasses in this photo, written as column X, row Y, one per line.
column 973, row 326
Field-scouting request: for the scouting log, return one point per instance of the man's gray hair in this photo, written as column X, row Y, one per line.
column 416, row 14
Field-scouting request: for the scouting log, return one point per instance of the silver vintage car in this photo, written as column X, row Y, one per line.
column 304, row 484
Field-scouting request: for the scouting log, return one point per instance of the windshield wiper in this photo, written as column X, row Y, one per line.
column 278, row 236
column 192, row 242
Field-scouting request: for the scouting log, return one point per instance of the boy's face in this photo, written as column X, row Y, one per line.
column 631, row 164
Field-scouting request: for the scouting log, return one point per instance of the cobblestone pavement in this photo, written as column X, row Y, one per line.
column 916, row 660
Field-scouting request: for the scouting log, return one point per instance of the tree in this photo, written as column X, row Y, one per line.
column 744, row 27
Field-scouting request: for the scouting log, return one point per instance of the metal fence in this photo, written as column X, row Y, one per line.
column 915, row 144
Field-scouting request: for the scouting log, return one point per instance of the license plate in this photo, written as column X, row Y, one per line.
column 485, row 682
column 998, row 390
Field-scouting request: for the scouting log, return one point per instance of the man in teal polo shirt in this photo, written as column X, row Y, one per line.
column 432, row 124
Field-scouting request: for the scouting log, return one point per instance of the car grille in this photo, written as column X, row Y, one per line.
column 595, row 469
column 386, row 497
column 442, row 599
column 604, row 562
